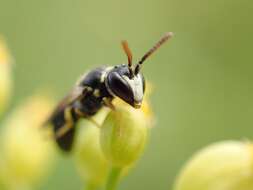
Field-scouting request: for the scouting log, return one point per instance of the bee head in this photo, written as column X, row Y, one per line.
column 128, row 88
column 126, row 81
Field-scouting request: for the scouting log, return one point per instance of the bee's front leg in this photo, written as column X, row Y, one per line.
column 108, row 103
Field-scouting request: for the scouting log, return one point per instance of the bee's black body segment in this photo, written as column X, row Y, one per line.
column 93, row 78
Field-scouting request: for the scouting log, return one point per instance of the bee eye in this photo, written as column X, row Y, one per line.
column 120, row 87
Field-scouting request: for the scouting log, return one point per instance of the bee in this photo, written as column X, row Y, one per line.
column 97, row 89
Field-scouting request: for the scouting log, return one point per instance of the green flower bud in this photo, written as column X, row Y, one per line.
column 5, row 76
column 88, row 155
column 26, row 150
column 225, row 165
column 123, row 135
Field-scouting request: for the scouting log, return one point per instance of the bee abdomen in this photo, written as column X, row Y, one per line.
column 65, row 141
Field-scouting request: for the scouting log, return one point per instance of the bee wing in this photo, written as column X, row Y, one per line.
column 75, row 94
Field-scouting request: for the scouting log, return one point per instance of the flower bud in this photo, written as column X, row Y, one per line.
column 5, row 76
column 90, row 160
column 26, row 149
column 123, row 135
column 225, row 165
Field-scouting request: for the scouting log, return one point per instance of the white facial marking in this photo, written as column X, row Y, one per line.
column 136, row 84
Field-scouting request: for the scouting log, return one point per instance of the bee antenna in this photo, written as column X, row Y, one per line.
column 129, row 56
column 163, row 39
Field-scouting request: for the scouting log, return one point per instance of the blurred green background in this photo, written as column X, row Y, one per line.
column 202, row 77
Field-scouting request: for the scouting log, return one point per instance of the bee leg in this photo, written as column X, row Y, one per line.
column 68, row 125
column 93, row 121
column 108, row 102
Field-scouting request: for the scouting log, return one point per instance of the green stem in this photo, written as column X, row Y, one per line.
column 113, row 179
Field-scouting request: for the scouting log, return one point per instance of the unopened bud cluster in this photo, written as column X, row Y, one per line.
column 119, row 142
column 90, row 160
column 26, row 149
column 123, row 135
column 226, row 165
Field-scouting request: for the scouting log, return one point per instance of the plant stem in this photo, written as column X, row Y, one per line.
column 113, row 179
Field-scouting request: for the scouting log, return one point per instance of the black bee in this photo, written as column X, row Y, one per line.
column 97, row 89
